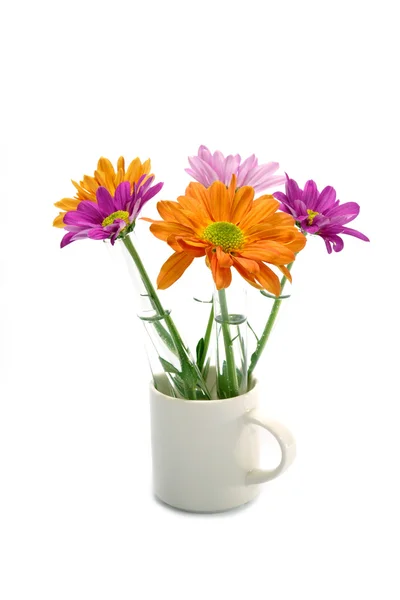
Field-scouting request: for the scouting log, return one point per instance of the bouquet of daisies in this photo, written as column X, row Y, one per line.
column 225, row 218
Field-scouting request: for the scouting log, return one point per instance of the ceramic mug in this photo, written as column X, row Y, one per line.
column 206, row 453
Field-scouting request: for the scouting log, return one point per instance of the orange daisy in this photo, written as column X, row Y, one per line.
column 105, row 176
column 231, row 229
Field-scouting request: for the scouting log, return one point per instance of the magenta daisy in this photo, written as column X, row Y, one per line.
column 110, row 217
column 320, row 212
column 207, row 168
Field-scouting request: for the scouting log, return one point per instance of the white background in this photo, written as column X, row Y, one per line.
column 312, row 85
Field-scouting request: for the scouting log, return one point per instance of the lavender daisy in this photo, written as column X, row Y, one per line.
column 320, row 212
column 109, row 217
column 207, row 167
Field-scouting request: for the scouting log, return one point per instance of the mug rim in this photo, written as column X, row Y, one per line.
column 154, row 390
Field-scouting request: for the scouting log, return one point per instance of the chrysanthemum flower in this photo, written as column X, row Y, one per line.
column 110, row 216
column 207, row 168
column 320, row 212
column 231, row 229
column 105, row 176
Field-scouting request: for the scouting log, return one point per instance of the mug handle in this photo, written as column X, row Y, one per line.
column 285, row 440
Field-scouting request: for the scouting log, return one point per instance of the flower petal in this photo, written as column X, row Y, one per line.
column 344, row 213
column 205, row 154
column 192, row 247
column 73, row 236
column 244, row 169
column 67, row 239
column 67, row 203
column 222, row 275
column 269, row 280
column 326, row 199
column 332, row 241
column 90, row 184
column 162, row 230
column 98, row 233
column 105, row 174
column 286, row 272
column 122, row 196
column 266, row 231
column 204, row 173
column 144, row 196
column 105, row 201
column 218, row 164
column 310, row 194
column 164, row 210
column 230, row 168
column 299, row 209
column 337, row 242
column 293, row 192
column 241, row 204
column 173, row 212
column 75, row 217
column 200, row 195
column 173, row 269
column 262, row 173
column 328, row 245
column 261, row 209
column 82, row 193
column 298, row 243
column 224, row 259
column 243, row 272
column 279, row 219
column 106, row 166
column 268, row 251
column 219, row 201
column 355, row 233
column 173, row 243
column 136, row 170
column 263, row 177
column 281, row 197
column 251, row 266
column 59, row 220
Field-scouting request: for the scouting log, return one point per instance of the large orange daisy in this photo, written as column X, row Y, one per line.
column 105, row 176
column 231, row 229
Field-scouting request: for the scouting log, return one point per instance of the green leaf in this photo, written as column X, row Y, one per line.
column 168, row 367
column 179, row 385
column 165, row 337
column 223, row 382
column 200, row 352
column 189, row 374
column 206, row 369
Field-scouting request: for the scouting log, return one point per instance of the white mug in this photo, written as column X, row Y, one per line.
column 206, row 453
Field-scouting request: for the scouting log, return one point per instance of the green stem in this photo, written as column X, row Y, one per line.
column 162, row 332
column 191, row 375
column 267, row 330
column 207, row 338
column 232, row 387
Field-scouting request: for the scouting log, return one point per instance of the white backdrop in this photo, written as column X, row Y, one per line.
column 310, row 84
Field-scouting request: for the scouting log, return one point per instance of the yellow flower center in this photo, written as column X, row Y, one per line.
column 226, row 235
column 311, row 215
column 119, row 214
